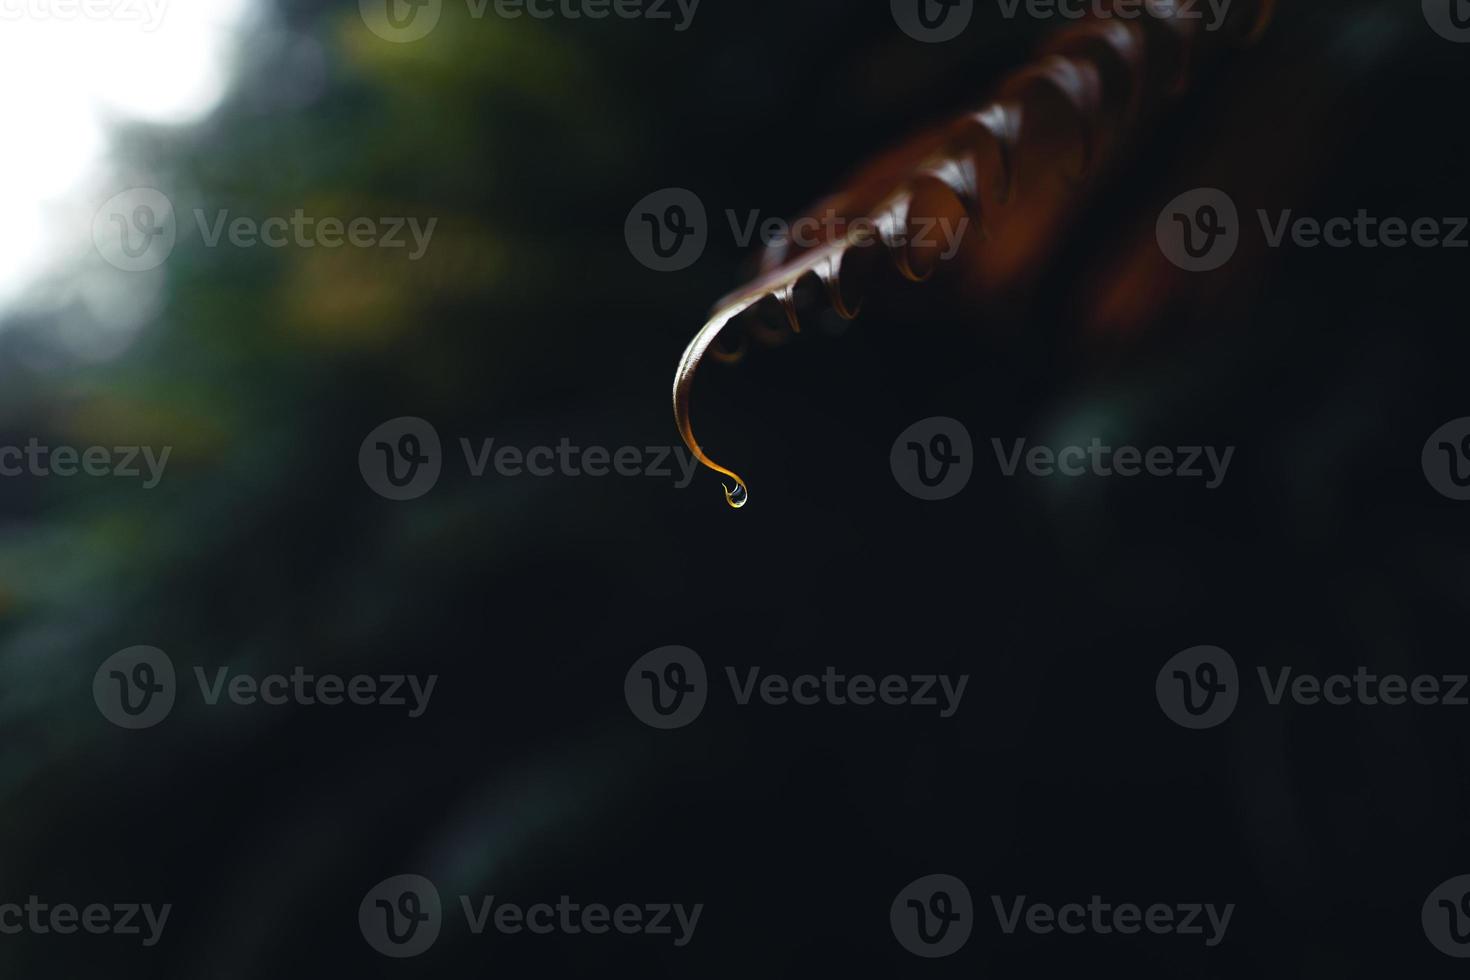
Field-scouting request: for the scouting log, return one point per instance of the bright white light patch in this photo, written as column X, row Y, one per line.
column 71, row 70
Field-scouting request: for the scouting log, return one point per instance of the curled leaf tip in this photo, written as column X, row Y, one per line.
column 683, row 390
column 1105, row 74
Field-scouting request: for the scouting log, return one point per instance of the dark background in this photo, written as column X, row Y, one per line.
column 528, row 778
